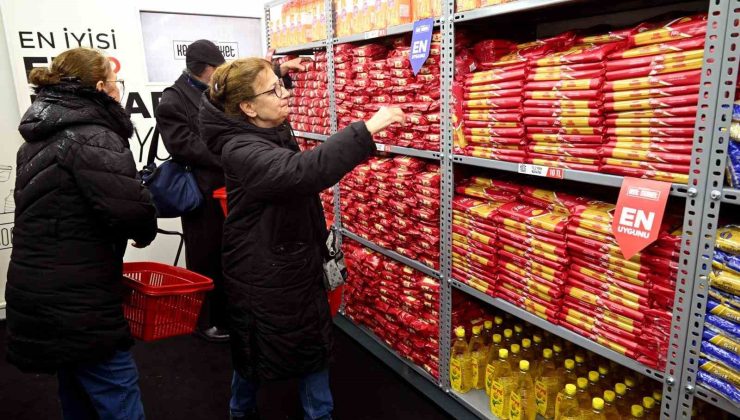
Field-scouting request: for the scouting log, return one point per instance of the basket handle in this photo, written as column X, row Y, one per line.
column 182, row 241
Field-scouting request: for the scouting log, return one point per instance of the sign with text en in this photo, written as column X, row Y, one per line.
column 420, row 43
column 639, row 214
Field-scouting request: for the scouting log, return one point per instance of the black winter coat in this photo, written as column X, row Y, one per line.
column 77, row 203
column 274, row 240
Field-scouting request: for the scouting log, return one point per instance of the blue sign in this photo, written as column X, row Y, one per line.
column 420, row 43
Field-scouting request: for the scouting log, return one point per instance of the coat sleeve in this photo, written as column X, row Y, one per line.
column 272, row 173
column 105, row 172
column 184, row 145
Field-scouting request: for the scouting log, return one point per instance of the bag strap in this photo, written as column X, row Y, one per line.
column 154, row 145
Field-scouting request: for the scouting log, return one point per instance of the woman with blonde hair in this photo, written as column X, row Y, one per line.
column 77, row 203
column 275, row 234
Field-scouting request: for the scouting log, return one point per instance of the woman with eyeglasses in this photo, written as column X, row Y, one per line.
column 77, row 204
column 275, row 233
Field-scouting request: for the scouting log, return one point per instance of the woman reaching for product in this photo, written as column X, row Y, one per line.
column 274, row 235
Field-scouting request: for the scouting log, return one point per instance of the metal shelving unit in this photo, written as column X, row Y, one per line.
column 704, row 196
column 310, row 136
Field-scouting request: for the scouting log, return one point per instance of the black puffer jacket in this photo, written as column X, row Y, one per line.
column 77, row 202
column 274, row 240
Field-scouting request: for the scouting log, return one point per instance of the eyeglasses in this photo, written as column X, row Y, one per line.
column 277, row 90
column 122, row 87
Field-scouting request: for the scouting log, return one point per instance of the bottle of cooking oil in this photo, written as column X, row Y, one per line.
column 597, row 410
column 523, row 405
column 528, row 352
column 567, row 407
column 658, row 397
column 508, row 338
column 518, row 333
column 478, row 355
column 487, row 332
column 651, row 412
column 636, row 412
column 496, row 344
column 547, row 385
column 461, row 368
column 581, row 368
column 631, row 384
column 498, row 325
column 610, row 410
column 502, row 382
column 515, row 356
column 604, row 379
column 537, row 343
column 594, row 386
column 557, row 354
column 622, row 401
column 582, row 395
column 569, row 373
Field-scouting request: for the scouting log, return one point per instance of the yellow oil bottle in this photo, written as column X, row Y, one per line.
column 502, row 382
column 522, row 405
column 548, row 383
column 461, row 368
column 582, row 395
column 622, row 403
column 610, row 410
column 478, row 354
column 594, row 386
column 636, row 413
column 597, row 410
column 567, row 407
column 651, row 411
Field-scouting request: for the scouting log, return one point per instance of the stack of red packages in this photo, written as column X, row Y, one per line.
column 309, row 101
column 372, row 75
column 492, row 109
column 566, row 129
column 533, row 260
column 327, row 196
column 474, row 237
column 399, row 304
column 651, row 97
column 394, row 203
column 610, row 299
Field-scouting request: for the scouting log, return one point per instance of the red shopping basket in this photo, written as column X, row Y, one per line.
column 162, row 300
column 335, row 296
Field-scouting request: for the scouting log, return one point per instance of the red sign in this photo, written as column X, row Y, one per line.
column 639, row 214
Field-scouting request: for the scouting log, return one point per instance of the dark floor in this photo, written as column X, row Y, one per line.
column 186, row 378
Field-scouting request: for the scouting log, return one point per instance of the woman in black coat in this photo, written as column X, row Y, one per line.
column 274, row 235
column 77, row 203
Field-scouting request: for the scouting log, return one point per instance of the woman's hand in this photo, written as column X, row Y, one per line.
column 294, row 64
column 383, row 118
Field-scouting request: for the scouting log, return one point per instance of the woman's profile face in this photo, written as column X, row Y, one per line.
column 271, row 101
column 110, row 85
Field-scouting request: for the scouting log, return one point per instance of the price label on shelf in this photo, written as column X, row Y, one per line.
column 375, row 34
column 382, row 147
column 539, row 170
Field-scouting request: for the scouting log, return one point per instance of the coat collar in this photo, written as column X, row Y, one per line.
column 192, row 93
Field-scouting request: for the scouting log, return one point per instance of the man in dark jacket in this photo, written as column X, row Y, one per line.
column 177, row 122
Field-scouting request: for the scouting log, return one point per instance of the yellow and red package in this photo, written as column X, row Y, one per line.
column 687, row 27
column 661, row 48
column 579, row 84
column 593, row 94
column 654, row 70
column 648, row 156
column 654, row 60
column 561, row 112
column 684, row 112
column 668, row 132
column 652, row 166
column 586, row 53
column 651, row 103
column 542, row 76
column 659, row 92
column 691, row 77
column 566, row 130
column 563, row 140
column 562, row 103
column 564, row 121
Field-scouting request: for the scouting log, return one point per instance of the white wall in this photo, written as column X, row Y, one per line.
column 53, row 15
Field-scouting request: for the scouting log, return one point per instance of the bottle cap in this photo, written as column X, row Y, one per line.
column 637, row 411
column 580, row 358
column 630, row 382
column 570, row 389
column 570, row 364
column 582, row 383
column 603, row 370
column 610, row 396
column 593, row 376
column 498, row 320
column 537, row 338
column 556, row 348
column 657, row 396
column 597, row 403
column 503, row 354
column 524, row 365
column 460, row 332
column 526, row 343
column 476, row 330
column 497, row 338
column 508, row 333
column 515, row 348
column 518, row 328
column 648, row 402
column 547, row 353
column 488, row 324
column 620, row 388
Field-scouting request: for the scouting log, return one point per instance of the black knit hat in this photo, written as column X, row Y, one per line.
column 201, row 53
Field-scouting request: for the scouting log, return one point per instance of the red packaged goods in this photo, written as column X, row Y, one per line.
column 581, row 131
column 492, row 124
column 498, row 142
column 490, row 50
column 668, row 68
column 646, row 174
column 691, row 77
column 563, row 121
column 517, row 156
column 666, row 102
column 649, row 146
column 535, row 217
column 513, row 72
column 580, row 84
column 567, row 69
column 557, row 159
column 563, row 75
column 562, row 103
column 369, row 50
column 582, row 152
column 654, row 166
column 561, row 112
column 684, row 111
column 496, row 132
column 615, row 35
column 619, row 121
column 662, row 48
column 593, row 94
column 687, row 27
column 493, row 94
column 564, row 141
column 513, row 84
column 588, row 53
column 492, row 116
column 669, row 132
column 655, row 60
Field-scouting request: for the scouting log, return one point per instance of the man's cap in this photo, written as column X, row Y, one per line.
column 203, row 51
